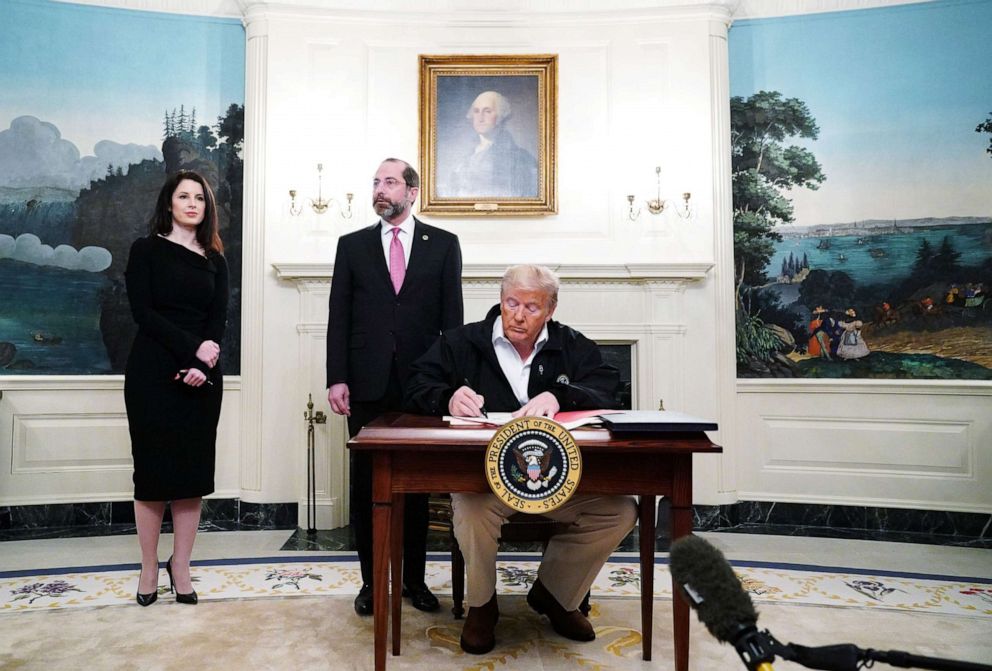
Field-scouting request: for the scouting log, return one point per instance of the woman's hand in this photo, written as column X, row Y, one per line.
column 194, row 377
column 208, row 352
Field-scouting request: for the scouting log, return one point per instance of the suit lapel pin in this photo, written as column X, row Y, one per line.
column 540, row 369
column 423, row 237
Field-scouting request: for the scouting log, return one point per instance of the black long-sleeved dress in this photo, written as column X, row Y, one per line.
column 178, row 299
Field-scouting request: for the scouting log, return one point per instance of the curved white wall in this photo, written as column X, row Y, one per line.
column 642, row 86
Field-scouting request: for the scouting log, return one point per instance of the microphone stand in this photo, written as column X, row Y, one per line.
column 848, row 657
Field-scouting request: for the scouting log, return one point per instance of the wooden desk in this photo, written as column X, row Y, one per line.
column 413, row 453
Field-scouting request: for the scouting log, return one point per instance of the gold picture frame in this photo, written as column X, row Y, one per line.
column 488, row 134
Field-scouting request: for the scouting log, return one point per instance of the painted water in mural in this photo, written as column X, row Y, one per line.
column 68, row 217
column 863, row 217
column 64, row 334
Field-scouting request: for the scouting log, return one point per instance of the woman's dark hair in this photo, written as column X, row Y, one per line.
column 206, row 232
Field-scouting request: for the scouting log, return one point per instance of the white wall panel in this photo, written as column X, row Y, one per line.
column 884, row 444
column 66, row 439
column 891, row 447
column 49, row 442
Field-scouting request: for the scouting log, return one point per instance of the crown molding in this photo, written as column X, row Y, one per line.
column 510, row 13
column 449, row 12
column 760, row 9
column 229, row 9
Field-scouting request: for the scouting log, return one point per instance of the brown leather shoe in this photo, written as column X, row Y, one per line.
column 571, row 624
column 479, row 632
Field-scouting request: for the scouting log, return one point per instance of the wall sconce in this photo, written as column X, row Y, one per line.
column 657, row 205
column 320, row 205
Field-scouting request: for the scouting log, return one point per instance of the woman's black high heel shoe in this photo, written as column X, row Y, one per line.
column 190, row 598
column 145, row 599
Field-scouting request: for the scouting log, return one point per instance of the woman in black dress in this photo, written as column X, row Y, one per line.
column 177, row 284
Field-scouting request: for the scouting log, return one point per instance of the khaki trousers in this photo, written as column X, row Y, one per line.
column 573, row 558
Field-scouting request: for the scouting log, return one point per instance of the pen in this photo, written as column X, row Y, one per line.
column 482, row 408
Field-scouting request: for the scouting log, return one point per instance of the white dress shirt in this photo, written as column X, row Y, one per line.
column 484, row 144
column 517, row 371
column 405, row 237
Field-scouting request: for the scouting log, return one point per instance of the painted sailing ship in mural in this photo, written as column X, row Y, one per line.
column 820, row 294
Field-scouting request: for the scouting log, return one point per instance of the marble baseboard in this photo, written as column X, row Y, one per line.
column 752, row 517
column 117, row 517
column 857, row 522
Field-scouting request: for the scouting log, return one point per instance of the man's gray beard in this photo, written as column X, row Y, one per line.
column 392, row 210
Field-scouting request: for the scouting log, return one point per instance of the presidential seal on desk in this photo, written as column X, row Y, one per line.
column 533, row 464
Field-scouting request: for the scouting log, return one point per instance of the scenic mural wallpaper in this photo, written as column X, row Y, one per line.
column 97, row 106
column 862, row 185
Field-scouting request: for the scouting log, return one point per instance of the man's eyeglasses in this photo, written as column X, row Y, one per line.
column 389, row 183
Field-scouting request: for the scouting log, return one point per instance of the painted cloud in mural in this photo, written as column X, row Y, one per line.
column 34, row 153
column 29, row 249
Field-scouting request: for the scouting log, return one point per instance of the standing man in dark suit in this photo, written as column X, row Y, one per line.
column 396, row 286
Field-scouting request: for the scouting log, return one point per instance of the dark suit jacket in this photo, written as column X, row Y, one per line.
column 569, row 365
column 368, row 323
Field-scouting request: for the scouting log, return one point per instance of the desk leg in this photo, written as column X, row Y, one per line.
column 396, row 580
column 646, row 533
column 681, row 526
column 381, row 528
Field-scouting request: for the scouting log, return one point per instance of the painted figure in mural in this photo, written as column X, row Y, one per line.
column 397, row 284
column 497, row 167
column 974, row 295
column 834, row 329
column 177, row 285
column 926, row 307
column 885, row 315
column 851, row 344
column 819, row 341
column 518, row 360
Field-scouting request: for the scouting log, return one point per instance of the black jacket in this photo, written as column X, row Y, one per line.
column 569, row 366
column 368, row 324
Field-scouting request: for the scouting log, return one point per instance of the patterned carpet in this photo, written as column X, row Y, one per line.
column 332, row 575
column 296, row 612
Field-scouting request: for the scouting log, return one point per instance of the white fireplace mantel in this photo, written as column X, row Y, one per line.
column 640, row 305
column 632, row 272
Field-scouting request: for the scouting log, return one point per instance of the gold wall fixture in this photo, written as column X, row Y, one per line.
column 658, row 205
column 320, row 204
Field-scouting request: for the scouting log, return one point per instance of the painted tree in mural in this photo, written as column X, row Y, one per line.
column 986, row 127
column 115, row 210
column 763, row 167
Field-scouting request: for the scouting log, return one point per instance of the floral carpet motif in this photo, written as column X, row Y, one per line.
column 620, row 578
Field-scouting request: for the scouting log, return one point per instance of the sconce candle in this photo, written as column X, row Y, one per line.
column 294, row 209
column 320, row 204
column 657, row 205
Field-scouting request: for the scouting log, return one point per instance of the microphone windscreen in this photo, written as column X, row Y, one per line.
column 711, row 587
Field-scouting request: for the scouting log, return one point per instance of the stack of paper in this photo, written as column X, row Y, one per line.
column 570, row 420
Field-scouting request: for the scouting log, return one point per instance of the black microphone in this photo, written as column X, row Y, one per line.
column 715, row 593
column 713, row 590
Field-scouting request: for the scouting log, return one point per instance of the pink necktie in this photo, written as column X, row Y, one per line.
column 397, row 262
